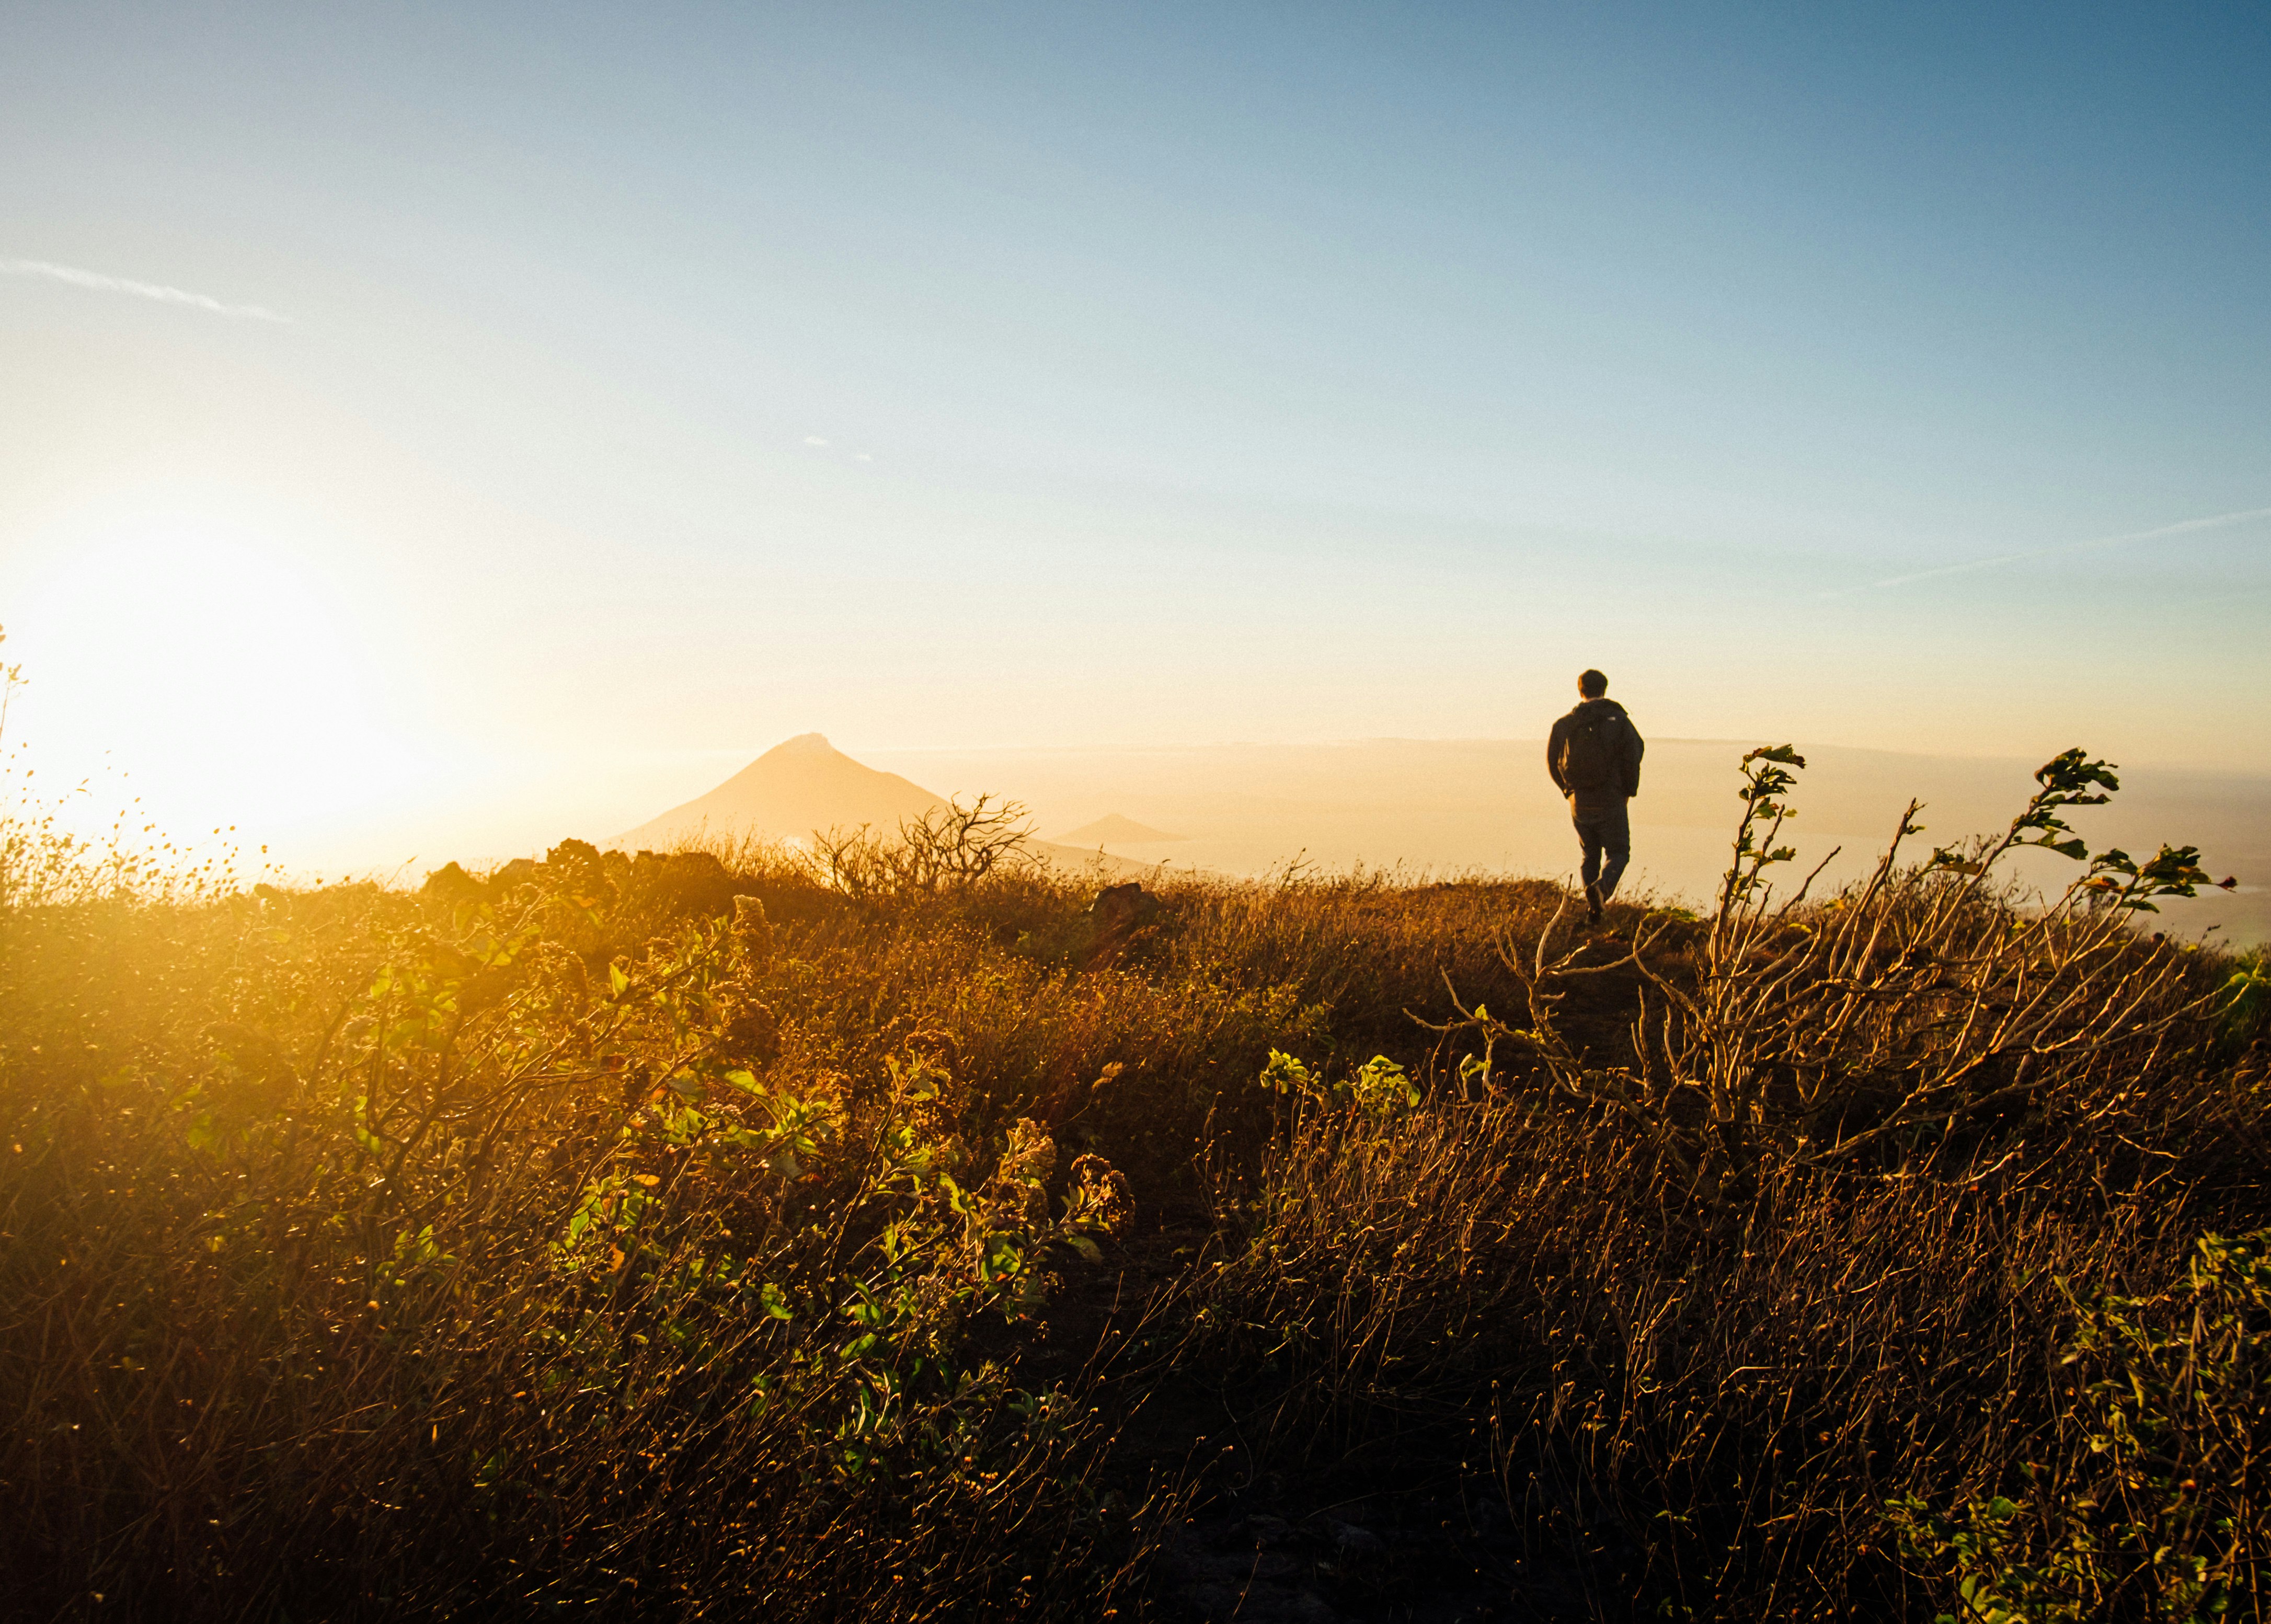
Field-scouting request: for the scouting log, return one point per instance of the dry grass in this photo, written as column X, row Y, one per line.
column 586, row 1238
column 1819, row 1234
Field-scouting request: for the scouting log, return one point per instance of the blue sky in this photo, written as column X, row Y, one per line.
column 682, row 378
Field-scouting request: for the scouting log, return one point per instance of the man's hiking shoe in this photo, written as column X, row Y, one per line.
column 1592, row 905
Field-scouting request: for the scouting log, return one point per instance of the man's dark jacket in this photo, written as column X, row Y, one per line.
column 1624, row 752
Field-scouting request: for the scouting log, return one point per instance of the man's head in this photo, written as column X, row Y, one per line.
column 1591, row 685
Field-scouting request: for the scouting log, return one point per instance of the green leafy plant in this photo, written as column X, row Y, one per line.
column 2156, row 1509
column 2247, row 993
column 1380, row 1088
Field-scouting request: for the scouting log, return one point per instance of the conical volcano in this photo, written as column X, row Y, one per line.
column 793, row 789
column 1117, row 830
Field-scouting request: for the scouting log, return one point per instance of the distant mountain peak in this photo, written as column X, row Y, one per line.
column 1114, row 830
column 801, row 786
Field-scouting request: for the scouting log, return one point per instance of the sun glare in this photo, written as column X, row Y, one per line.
column 221, row 681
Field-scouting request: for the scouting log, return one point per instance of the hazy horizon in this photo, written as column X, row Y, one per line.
column 1424, row 809
column 424, row 429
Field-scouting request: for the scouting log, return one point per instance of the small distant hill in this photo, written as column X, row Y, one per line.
column 1116, row 830
column 790, row 791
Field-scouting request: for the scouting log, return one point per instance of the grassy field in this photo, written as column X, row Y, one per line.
column 886, row 1234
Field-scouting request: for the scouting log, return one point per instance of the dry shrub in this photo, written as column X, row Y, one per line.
column 1810, row 1240
column 1708, row 1405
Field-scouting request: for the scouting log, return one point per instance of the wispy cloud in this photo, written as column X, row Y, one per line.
column 814, row 439
column 2216, row 521
column 158, row 291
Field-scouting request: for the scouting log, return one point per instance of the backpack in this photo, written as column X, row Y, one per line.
column 1593, row 754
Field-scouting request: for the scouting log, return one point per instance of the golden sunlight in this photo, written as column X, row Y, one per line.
column 218, row 672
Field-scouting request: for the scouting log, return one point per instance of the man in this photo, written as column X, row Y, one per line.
column 1594, row 755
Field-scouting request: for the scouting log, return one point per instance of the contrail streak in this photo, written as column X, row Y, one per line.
column 2214, row 522
column 140, row 290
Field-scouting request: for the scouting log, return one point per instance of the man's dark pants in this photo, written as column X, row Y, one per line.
column 1602, row 830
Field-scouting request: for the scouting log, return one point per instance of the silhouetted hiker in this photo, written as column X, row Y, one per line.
column 1594, row 755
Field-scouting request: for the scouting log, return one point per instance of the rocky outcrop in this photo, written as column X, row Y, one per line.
column 674, row 884
column 1119, row 913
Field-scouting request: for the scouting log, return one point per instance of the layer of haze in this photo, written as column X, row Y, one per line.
column 429, row 431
